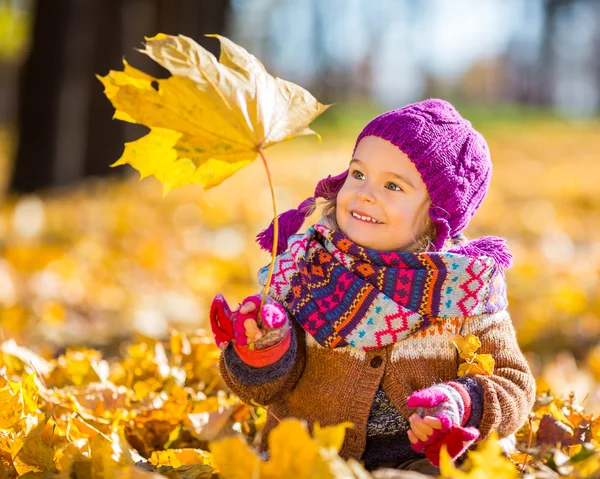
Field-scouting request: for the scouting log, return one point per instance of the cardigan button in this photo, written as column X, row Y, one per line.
column 376, row 362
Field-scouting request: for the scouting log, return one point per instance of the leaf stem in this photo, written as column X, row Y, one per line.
column 527, row 455
column 275, row 234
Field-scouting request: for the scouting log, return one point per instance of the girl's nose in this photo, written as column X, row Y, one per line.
column 364, row 193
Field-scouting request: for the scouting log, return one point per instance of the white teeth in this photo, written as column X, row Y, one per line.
column 366, row 218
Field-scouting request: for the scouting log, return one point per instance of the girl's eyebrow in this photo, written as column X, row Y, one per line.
column 401, row 178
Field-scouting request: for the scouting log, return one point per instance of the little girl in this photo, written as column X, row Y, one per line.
column 362, row 307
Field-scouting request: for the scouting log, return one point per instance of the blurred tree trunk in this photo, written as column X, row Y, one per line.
column 65, row 128
column 105, row 138
column 39, row 84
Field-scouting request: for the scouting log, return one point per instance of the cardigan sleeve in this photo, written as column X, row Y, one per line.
column 474, row 396
column 508, row 395
column 263, row 376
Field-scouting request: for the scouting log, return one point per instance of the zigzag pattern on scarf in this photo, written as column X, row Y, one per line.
column 343, row 294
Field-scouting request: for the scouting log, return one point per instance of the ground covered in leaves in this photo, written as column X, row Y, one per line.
column 104, row 289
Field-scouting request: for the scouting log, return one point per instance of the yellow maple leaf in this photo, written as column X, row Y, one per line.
column 12, row 407
column 234, row 458
column 111, row 457
column 6, row 440
column 595, row 430
column 486, row 462
column 553, row 408
column 331, row 436
column 18, row 359
column 178, row 457
column 293, row 453
column 474, row 363
column 466, row 345
column 68, row 455
column 30, row 393
column 180, row 345
column 589, row 466
column 480, row 364
column 187, row 471
column 35, row 451
column 210, row 118
column 142, row 389
column 79, row 367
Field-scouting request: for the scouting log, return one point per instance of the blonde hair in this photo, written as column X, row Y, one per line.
column 421, row 222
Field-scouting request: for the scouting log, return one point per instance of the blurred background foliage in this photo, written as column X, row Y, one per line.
column 91, row 256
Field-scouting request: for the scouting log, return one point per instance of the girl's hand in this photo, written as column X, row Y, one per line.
column 443, row 413
column 253, row 333
column 273, row 320
column 429, row 435
column 422, row 428
column 241, row 325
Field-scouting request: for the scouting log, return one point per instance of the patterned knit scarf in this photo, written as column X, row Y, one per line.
column 344, row 294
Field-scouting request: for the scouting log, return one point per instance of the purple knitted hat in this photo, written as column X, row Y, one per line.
column 453, row 160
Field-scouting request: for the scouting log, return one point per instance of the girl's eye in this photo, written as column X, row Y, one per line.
column 354, row 174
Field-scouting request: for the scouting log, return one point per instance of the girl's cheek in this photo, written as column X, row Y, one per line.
column 401, row 215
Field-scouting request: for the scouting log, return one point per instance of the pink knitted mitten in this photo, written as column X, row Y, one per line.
column 457, row 441
column 228, row 325
column 445, row 403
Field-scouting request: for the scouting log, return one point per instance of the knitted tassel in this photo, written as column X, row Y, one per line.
column 491, row 246
column 289, row 223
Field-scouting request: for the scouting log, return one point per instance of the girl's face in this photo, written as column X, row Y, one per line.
column 384, row 185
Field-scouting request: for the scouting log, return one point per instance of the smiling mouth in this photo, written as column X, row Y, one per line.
column 365, row 219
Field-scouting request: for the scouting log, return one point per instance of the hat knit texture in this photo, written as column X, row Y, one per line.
column 452, row 158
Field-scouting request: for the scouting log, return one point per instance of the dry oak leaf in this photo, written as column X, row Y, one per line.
column 552, row 431
column 210, row 118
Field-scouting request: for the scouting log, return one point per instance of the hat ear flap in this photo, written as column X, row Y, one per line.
column 329, row 187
